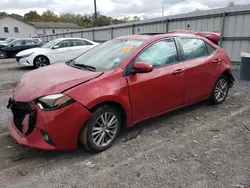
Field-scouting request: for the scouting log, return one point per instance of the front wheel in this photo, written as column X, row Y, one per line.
column 101, row 130
column 3, row 54
column 41, row 61
column 220, row 90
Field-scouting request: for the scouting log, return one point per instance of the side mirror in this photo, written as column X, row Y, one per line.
column 142, row 67
column 56, row 47
column 11, row 45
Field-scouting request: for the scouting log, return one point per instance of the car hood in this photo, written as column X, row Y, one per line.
column 3, row 44
column 32, row 50
column 50, row 80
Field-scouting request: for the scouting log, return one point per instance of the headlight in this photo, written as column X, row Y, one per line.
column 26, row 55
column 52, row 102
column 29, row 54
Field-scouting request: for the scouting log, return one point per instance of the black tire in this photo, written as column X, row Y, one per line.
column 214, row 99
column 85, row 137
column 3, row 54
column 41, row 61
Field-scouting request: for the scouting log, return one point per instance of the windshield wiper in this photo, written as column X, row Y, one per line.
column 91, row 68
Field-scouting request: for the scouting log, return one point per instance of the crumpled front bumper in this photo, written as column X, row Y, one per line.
column 62, row 127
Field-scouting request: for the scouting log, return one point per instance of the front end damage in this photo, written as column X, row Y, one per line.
column 46, row 130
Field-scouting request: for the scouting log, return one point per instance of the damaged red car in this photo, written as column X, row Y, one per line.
column 117, row 84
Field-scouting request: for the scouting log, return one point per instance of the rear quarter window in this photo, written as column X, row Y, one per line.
column 210, row 49
column 193, row 48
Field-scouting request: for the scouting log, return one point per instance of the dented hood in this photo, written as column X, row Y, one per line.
column 50, row 80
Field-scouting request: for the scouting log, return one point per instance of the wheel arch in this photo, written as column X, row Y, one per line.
column 38, row 55
column 229, row 75
column 116, row 105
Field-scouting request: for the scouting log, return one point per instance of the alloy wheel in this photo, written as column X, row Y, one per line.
column 41, row 62
column 221, row 90
column 2, row 55
column 105, row 129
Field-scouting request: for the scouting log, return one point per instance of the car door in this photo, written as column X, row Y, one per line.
column 30, row 43
column 15, row 47
column 199, row 77
column 61, row 51
column 162, row 89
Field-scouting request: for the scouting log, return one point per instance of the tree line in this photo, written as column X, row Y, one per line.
column 83, row 20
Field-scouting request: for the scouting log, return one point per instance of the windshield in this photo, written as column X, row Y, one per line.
column 51, row 43
column 108, row 55
column 8, row 40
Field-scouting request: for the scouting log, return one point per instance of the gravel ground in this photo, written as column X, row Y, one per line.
column 200, row 146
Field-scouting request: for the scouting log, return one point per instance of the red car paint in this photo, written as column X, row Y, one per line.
column 49, row 80
column 62, row 126
column 141, row 96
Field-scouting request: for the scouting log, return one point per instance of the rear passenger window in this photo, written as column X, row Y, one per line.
column 193, row 48
column 210, row 49
column 82, row 43
column 87, row 43
column 65, row 44
column 30, row 42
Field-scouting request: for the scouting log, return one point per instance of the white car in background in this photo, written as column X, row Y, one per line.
column 57, row 50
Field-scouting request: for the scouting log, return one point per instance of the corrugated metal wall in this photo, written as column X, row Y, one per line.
column 232, row 22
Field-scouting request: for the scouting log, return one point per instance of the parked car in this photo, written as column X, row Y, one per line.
column 7, row 41
column 17, row 45
column 117, row 84
column 61, row 49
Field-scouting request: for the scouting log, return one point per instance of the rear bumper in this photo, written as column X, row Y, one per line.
column 62, row 127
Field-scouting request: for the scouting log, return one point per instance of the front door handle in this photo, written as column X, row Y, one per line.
column 179, row 71
column 216, row 61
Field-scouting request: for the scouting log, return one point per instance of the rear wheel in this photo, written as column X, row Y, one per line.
column 101, row 130
column 3, row 54
column 220, row 90
column 41, row 61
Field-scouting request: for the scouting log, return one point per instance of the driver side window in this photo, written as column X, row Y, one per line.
column 160, row 53
column 18, row 43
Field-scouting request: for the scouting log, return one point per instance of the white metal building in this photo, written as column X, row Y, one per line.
column 13, row 27
column 48, row 28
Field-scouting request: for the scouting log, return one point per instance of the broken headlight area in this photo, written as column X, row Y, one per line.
column 53, row 102
column 24, row 116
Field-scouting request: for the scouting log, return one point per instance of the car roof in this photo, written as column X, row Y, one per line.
column 26, row 38
column 154, row 36
column 213, row 36
column 71, row 38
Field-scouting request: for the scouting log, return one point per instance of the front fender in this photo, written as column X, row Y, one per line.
column 104, row 89
column 31, row 58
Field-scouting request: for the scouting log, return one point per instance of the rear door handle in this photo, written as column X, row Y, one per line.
column 179, row 71
column 217, row 61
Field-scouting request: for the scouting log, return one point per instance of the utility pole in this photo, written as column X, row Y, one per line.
column 95, row 21
column 162, row 11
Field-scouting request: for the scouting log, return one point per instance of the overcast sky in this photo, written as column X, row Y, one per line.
column 114, row 8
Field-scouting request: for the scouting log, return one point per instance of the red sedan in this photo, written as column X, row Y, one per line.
column 117, row 84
